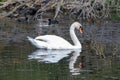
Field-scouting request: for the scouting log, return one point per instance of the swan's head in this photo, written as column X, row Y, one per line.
column 78, row 26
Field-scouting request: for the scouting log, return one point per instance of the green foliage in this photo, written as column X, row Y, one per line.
column 2, row 0
column 115, row 17
column 114, row 7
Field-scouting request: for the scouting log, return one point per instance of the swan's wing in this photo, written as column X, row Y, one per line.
column 37, row 43
column 54, row 40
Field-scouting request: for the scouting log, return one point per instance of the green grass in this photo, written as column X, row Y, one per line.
column 2, row 0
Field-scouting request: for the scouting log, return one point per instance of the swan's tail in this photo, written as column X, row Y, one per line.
column 38, row 44
column 31, row 39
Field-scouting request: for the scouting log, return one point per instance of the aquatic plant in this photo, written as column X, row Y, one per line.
column 99, row 48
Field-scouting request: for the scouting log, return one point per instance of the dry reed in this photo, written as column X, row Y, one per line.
column 87, row 9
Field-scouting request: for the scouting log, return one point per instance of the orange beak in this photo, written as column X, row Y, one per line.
column 81, row 30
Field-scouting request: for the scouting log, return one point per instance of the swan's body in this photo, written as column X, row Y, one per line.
column 56, row 42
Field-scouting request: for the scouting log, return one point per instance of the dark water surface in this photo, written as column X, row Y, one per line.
column 99, row 58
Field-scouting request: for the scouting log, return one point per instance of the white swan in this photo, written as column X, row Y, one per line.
column 56, row 42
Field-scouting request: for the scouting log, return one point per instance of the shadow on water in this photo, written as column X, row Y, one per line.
column 98, row 60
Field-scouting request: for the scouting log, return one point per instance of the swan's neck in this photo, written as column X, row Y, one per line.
column 74, row 37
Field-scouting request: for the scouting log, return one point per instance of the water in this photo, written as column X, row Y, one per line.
column 19, row 60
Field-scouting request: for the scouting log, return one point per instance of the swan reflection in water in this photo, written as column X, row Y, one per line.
column 54, row 56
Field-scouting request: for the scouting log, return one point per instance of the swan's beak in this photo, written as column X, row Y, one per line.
column 81, row 30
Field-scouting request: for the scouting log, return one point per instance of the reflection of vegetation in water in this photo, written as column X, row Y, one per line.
column 32, row 70
column 106, row 64
column 104, row 49
column 99, row 48
column 15, row 66
column 116, row 49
